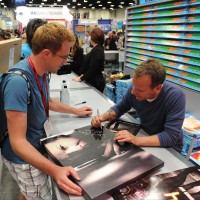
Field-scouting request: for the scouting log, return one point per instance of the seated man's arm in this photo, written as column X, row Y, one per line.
column 172, row 134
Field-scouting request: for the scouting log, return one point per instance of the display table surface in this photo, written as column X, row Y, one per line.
column 80, row 92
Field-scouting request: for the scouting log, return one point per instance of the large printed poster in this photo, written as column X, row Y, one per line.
column 102, row 163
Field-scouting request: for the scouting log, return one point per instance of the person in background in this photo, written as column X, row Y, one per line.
column 87, row 39
column 120, row 41
column 4, row 35
column 159, row 104
column 77, row 56
column 93, row 64
column 110, row 42
column 26, row 123
column 16, row 33
column 32, row 26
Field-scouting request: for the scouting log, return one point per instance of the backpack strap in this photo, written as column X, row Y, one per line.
column 29, row 96
column 25, row 78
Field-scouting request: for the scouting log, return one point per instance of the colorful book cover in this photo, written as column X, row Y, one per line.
column 102, row 163
column 195, row 157
column 182, row 184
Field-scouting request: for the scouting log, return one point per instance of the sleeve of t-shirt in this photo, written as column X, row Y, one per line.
column 15, row 93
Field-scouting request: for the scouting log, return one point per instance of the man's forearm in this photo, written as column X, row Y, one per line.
column 57, row 106
column 146, row 140
column 109, row 115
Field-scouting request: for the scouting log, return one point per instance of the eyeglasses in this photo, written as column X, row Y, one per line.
column 62, row 57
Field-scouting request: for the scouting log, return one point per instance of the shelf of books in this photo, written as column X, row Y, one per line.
column 169, row 31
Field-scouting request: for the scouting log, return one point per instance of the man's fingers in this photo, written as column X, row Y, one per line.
column 69, row 187
column 74, row 174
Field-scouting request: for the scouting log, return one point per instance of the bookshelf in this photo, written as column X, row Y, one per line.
column 169, row 31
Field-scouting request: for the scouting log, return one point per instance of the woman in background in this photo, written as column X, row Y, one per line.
column 77, row 56
column 93, row 64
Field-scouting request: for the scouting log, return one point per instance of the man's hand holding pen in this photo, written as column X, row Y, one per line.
column 96, row 121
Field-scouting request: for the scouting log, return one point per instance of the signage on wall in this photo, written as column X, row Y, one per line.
column 78, row 15
column 148, row 1
column 24, row 14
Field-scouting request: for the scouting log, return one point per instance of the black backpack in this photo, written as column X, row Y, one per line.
column 3, row 133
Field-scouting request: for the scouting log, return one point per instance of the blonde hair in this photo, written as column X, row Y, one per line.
column 51, row 36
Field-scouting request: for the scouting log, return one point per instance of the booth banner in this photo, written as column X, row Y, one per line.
column 24, row 14
column 79, row 30
column 105, row 27
column 148, row 1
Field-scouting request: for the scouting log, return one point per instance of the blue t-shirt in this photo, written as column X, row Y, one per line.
column 164, row 116
column 15, row 92
column 26, row 50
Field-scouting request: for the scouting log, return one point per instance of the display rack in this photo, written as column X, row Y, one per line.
column 169, row 31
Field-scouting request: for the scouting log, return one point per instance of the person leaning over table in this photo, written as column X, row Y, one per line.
column 93, row 63
column 21, row 151
column 159, row 105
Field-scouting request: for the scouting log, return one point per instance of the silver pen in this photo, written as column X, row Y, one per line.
column 98, row 114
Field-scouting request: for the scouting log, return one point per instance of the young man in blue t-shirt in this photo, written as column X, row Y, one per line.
column 21, row 151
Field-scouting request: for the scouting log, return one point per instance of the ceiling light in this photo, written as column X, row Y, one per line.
column 112, row 5
column 122, row 2
column 111, row 8
column 73, row 0
column 73, row 7
column 45, row 0
column 42, row 3
column 93, row 7
column 109, row 2
column 85, row 1
column 120, row 6
column 131, row 3
column 58, row 0
column 68, row 3
column 84, row 7
column 90, row 5
column 100, row 5
column 98, row 1
column 79, row 4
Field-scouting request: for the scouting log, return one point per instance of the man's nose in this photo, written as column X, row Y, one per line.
column 133, row 91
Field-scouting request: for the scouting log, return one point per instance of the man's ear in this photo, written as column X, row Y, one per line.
column 159, row 87
column 46, row 52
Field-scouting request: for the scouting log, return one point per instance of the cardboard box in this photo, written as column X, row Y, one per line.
column 10, row 53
